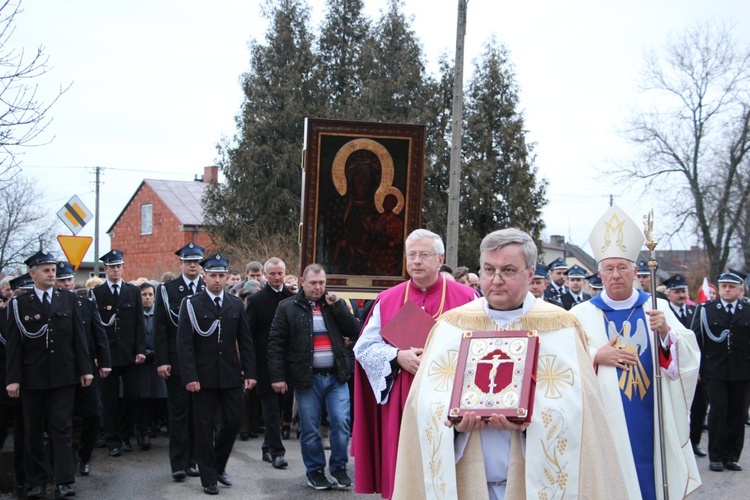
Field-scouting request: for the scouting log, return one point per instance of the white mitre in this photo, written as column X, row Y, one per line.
column 616, row 235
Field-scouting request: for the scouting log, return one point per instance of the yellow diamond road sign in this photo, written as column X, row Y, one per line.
column 74, row 214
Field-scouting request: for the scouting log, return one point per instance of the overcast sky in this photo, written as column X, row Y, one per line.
column 155, row 85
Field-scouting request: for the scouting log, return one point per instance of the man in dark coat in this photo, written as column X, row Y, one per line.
column 575, row 294
column 307, row 350
column 47, row 357
column 169, row 296
column 556, row 288
column 261, row 307
column 677, row 294
column 212, row 330
column 87, row 404
column 722, row 328
column 120, row 307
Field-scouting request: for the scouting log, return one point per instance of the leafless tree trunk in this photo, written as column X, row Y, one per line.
column 24, row 226
column 23, row 115
column 694, row 136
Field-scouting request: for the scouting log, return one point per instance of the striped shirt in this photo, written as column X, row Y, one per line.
column 322, row 350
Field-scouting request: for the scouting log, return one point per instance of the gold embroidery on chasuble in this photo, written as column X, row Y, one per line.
column 634, row 381
column 432, row 434
column 552, row 377
column 554, row 445
column 443, row 370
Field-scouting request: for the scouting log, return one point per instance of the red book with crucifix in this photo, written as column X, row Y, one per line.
column 496, row 373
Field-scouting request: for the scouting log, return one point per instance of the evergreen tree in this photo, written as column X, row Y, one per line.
column 438, row 150
column 260, row 197
column 395, row 89
column 342, row 64
column 499, row 184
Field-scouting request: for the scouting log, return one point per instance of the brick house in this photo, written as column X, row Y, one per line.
column 161, row 217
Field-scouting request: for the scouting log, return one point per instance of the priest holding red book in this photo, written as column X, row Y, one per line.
column 385, row 372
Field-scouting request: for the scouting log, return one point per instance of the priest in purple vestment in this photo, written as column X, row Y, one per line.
column 384, row 373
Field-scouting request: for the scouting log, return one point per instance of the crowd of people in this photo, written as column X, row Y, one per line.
column 212, row 356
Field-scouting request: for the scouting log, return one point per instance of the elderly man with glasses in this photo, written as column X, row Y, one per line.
column 390, row 371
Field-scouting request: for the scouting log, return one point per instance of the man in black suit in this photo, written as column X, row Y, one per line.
column 121, row 310
column 212, row 330
column 556, row 288
column 677, row 294
column 47, row 357
column 575, row 294
column 87, row 398
column 261, row 307
column 169, row 296
column 10, row 408
column 722, row 327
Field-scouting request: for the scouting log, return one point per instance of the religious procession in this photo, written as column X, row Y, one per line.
column 447, row 385
column 389, row 280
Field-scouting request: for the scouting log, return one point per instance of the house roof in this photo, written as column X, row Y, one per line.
column 182, row 198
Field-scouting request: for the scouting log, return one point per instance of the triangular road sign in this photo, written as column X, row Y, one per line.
column 75, row 248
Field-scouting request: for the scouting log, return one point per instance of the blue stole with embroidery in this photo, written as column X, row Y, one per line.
column 636, row 385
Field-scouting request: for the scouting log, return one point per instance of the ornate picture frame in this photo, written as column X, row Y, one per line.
column 362, row 188
column 496, row 373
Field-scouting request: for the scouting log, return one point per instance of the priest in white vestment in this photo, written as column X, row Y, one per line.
column 565, row 452
column 619, row 323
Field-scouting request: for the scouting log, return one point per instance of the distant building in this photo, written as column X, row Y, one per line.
column 161, row 217
column 572, row 254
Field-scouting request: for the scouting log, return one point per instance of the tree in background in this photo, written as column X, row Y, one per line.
column 24, row 226
column 499, row 187
column 342, row 63
column 260, row 196
column 371, row 71
column 694, row 135
column 23, row 116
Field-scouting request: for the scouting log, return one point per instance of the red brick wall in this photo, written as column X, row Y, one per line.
column 150, row 255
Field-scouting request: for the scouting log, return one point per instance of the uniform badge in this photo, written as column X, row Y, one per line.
column 182, row 288
column 26, row 318
column 37, row 317
column 109, row 308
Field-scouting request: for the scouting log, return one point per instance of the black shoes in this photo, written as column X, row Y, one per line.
column 732, row 466
column 84, row 468
column 144, row 440
column 114, row 452
column 211, row 490
column 716, row 466
column 698, row 451
column 37, row 492
column 340, row 478
column 179, row 475
column 317, row 480
column 223, row 478
column 63, row 490
column 279, row 462
column 192, row 472
column 267, row 457
column 126, row 446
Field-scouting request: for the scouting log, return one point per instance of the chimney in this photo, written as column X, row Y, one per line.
column 557, row 240
column 210, row 174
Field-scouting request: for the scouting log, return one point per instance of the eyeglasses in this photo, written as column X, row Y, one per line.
column 620, row 269
column 489, row 273
column 421, row 255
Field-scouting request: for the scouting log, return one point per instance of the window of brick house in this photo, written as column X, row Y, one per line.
column 146, row 219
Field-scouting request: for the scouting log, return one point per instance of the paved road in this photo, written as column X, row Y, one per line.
column 146, row 475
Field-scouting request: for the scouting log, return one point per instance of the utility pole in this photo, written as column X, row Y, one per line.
column 454, row 186
column 96, row 224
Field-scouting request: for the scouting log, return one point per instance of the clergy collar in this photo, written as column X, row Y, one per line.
column 430, row 289
column 620, row 304
column 503, row 318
